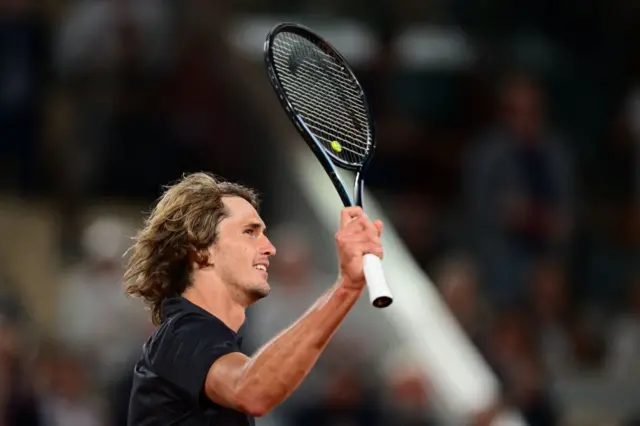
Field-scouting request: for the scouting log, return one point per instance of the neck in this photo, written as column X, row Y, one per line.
column 219, row 302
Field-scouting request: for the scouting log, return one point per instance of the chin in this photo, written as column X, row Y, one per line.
column 260, row 291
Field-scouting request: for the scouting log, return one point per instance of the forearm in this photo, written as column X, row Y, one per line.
column 277, row 369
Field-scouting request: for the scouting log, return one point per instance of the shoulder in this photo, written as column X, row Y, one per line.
column 194, row 322
column 183, row 349
column 186, row 329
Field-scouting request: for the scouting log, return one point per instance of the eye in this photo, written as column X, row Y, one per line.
column 250, row 231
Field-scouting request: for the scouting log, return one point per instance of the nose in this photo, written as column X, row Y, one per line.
column 269, row 249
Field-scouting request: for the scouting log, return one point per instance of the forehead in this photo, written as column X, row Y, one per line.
column 240, row 211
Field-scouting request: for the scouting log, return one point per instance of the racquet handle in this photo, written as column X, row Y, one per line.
column 379, row 292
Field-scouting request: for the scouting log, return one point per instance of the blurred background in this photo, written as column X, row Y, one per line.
column 509, row 143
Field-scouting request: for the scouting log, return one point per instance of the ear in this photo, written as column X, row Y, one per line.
column 200, row 257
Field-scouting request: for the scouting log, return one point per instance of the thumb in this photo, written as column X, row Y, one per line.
column 378, row 225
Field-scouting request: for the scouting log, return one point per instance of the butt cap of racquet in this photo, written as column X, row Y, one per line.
column 382, row 302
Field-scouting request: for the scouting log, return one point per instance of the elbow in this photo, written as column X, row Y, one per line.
column 258, row 400
column 254, row 407
column 258, row 411
column 254, row 402
column 247, row 402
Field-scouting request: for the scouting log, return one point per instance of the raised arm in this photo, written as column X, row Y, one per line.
column 256, row 385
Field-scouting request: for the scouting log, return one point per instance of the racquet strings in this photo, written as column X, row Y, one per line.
column 325, row 95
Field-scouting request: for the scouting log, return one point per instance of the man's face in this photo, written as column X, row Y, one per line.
column 523, row 108
column 240, row 256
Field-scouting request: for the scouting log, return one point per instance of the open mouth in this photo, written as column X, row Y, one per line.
column 261, row 268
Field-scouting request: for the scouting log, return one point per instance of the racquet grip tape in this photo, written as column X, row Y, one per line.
column 379, row 292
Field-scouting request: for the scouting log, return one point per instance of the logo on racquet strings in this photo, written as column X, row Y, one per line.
column 310, row 61
column 316, row 66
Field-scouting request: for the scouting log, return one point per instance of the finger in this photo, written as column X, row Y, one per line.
column 369, row 228
column 347, row 237
column 362, row 225
column 368, row 225
column 348, row 214
column 356, row 223
column 378, row 224
column 350, row 239
column 360, row 244
column 372, row 248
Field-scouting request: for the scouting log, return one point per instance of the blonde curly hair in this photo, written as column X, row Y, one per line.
column 177, row 233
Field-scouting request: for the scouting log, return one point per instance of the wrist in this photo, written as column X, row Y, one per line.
column 349, row 285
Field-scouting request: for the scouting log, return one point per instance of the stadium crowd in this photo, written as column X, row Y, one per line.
column 514, row 182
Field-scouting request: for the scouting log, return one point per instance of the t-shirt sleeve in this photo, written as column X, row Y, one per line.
column 185, row 352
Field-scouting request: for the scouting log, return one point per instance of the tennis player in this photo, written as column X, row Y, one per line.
column 201, row 259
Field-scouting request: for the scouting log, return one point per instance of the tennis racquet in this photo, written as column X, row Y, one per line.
column 324, row 100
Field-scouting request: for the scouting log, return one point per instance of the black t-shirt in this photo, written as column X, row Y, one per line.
column 168, row 380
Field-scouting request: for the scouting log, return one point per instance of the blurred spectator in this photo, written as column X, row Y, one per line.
column 346, row 401
column 624, row 345
column 520, row 191
column 415, row 217
column 405, row 396
column 632, row 421
column 458, row 280
column 112, row 58
column 90, row 35
column 93, row 311
column 588, row 347
column 618, row 161
column 67, row 399
column 11, row 307
column 24, row 75
column 19, row 404
column 514, row 354
column 549, row 303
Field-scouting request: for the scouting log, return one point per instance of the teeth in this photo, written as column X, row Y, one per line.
column 261, row 267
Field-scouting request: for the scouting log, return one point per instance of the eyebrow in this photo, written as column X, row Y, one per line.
column 256, row 226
